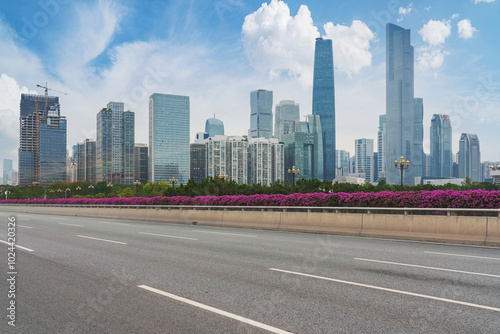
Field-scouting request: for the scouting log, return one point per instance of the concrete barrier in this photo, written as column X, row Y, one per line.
column 457, row 229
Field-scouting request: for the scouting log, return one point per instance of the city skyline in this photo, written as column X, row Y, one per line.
column 456, row 67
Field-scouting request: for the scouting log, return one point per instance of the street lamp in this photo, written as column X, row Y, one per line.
column 91, row 188
column 293, row 171
column 109, row 185
column 173, row 181
column 136, row 184
column 402, row 165
column 66, row 192
column 59, row 191
column 223, row 177
column 6, row 192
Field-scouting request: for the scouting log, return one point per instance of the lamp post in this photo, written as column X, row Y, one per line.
column 136, row 184
column 173, row 181
column 109, row 185
column 223, row 177
column 6, row 192
column 66, row 192
column 59, row 191
column 402, row 166
column 293, row 171
column 91, row 188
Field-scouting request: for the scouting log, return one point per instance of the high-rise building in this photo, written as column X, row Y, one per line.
column 343, row 161
column 200, row 137
column 86, row 159
column 286, row 114
column 214, row 127
column 417, row 161
column 227, row 155
column 324, row 102
column 380, row 147
column 52, row 147
column 141, row 157
column 7, row 171
column 216, row 156
column 197, row 162
column 364, row 158
column 29, row 124
column 400, row 105
column 261, row 114
column 115, row 144
column 266, row 161
column 169, row 137
column 441, row 156
column 469, row 157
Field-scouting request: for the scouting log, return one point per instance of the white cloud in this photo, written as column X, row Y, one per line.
column 465, row 29
column 351, row 45
column 428, row 8
column 283, row 45
column 403, row 11
column 431, row 57
column 454, row 16
column 435, row 32
column 487, row 1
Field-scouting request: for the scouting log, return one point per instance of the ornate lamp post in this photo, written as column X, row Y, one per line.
column 59, row 191
column 91, row 189
column 402, row 165
column 223, row 177
column 173, row 181
column 109, row 185
column 136, row 184
column 293, row 171
column 66, row 192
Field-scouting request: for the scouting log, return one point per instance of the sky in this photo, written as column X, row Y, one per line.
column 217, row 52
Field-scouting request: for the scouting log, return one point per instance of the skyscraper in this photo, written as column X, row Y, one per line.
column 261, row 114
column 469, row 157
column 197, row 162
column 324, row 102
column 29, row 134
column 286, row 114
column 441, row 156
column 418, row 142
column 169, row 137
column 141, row 157
column 380, row 147
column 266, row 161
column 400, row 105
column 214, row 127
column 343, row 161
column 7, row 171
column 115, row 144
column 364, row 158
column 86, row 161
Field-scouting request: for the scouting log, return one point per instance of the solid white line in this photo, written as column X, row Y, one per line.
column 496, row 309
column 70, row 224
column 103, row 222
column 425, row 267
column 168, row 236
column 20, row 247
column 116, row 242
column 477, row 257
column 235, row 234
column 24, row 226
column 216, row 310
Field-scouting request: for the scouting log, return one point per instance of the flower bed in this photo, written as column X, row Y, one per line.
column 475, row 199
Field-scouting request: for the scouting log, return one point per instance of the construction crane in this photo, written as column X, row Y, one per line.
column 36, row 136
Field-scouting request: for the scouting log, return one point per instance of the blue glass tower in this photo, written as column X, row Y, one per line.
column 169, row 137
column 261, row 113
column 324, row 102
column 441, row 154
column 52, row 148
column 214, row 127
column 400, row 105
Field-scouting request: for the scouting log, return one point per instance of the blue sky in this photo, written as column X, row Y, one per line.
column 218, row 51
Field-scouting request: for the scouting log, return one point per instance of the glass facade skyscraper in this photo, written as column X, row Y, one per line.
column 418, row 142
column 441, row 156
column 52, row 148
column 364, row 158
column 86, row 161
column 214, row 127
column 324, row 102
column 7, row 171
column 169, row 137
column 400, row 105
column 286, row 114
column 141, row 158
column 261, row 114
column 197, row 166
column 469, row 157
column 380, row 148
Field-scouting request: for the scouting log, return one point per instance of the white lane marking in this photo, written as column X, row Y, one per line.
column 68, row 224
column 103, row 222
column 168, row 236
column 425, row 267
column 20, row 247
column 24, row 226
column 490, row 308
column 116, row 242
column 473, row 256
column 235, row 234
column 216, row 310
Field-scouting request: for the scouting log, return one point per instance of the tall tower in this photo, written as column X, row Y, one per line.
column 418, row 141
column 400, row 104
column 364, row 158
column 169, row 137
column 286, row 114
column 441, row 156
column 469, row 157
column 381, row 147
column 261, row 114
column 324, row 102
column 214, row 127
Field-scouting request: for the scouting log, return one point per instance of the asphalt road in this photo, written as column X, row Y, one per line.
column 85, row 275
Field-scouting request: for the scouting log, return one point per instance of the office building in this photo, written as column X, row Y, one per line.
column 227, row 155
column 441, row 155
column 469, row 157
column 400, row 105
column 200, row 137
column 343, row 161
column 169, row 137
column 216, row 156
column 380, row 147
column 7, row 171
column 214, row 127
column 324, row 102
column 364, row 158
column 286, row 114
column 115, row 144
column 141, row 157
column 417, row 161
column 266, row 161
column 86, row 159
column 261, row 114
column 197, row 162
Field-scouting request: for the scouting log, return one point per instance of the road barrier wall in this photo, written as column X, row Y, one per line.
column 410, row 224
